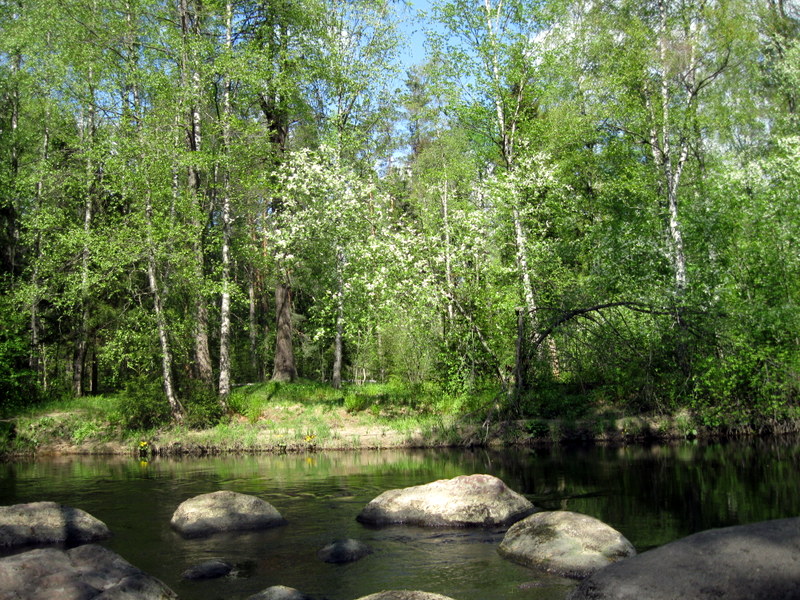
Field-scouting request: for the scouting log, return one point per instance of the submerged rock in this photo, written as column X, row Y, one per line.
column 464, row 501
column 759, row 560
column 39, row 523
column 565, row 543
column 344, row 551
column 404, row 595
column 82, row 573
column 210, row 569
column 279, row 592
column 224, row 511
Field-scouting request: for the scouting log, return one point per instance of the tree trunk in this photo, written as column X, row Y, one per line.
column 13, row 211
column 448, row 268
column 225, row 305
column 82, row 341
column 672, row 169
column 285, row 369
column 336, row 376
column 95, row 373
column 36, row 351
column 161, row 322
column 163, row 337
column 191, row 78
column 79, row 357
column 551, row 358
column 202, row 367
column 520, row 361
column 253, row 326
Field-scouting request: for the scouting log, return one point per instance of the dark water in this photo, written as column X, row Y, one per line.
column 651, row 494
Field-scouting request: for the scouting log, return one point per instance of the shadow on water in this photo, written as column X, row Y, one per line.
column 652, row 494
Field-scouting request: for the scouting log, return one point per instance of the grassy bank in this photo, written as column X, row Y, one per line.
column 308, row 417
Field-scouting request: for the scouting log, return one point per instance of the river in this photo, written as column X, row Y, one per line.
column 652, row 494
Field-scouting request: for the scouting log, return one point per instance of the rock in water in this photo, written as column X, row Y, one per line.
column 464, row 501
column 224, row 511
column 279, row 592
column 759, row 560
column 344, row 551
column 39, row 523
column 564, row 543
column 404, row 595
column 83, row 573
column 210, row 569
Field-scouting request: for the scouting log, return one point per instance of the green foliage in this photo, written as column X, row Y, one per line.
column 745, row 386
column 202, row 406
column 8, row 434
column 143, row 406
column 18, row 386
column 76, row 421
column 86, row 431
column 559, row 156
column 355, row 401
column 18, row 382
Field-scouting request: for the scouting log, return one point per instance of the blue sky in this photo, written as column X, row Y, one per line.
column 413, row 32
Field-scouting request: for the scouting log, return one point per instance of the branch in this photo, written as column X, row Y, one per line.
column 578, row 312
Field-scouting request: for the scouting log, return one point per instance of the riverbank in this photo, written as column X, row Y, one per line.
column 312, row 418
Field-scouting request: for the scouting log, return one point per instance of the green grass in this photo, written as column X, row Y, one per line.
column 69, row 420
column 298, row 415
column 102, row 406
column 392, row 401
column 310, row 416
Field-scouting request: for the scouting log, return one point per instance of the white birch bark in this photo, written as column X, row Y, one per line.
column 507, row 127
column 193, row 81
column 225, row 306
column 336, row 378
column 163, row 335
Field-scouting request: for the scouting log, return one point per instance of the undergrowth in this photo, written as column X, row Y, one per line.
column 308, row 415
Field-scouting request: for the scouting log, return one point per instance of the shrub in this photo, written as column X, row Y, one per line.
column 201, row 405
column 356, row 402
column 143, row 405
column 18, row 387
column 203, row 410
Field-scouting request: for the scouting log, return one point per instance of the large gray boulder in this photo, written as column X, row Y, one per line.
column 88, row 572
column 279, row 592
column 404, row 595
column 761, row 560
column 464, row 501
column 224, row 511
column 564, row 543
column 40, row 523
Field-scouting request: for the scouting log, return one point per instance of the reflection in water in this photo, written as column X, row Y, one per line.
column 652, row 494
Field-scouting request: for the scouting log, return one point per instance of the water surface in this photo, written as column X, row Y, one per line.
column 651, row 494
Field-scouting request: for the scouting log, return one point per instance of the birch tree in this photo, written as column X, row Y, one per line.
column 492, row 52
column 663, row 61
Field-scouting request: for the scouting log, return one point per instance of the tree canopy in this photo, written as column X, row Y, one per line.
column 565, row 198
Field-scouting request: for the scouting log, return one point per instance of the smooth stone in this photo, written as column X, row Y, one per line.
column 464, row 501
column 40, row 523
column 565, row 543
column 344, row 551
column 224, row 511
column 404, row 595
column 210, row 569
column 279, row 592
column 84, row 573
column 760, row 560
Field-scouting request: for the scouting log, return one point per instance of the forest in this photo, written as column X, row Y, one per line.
column 562, row 202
